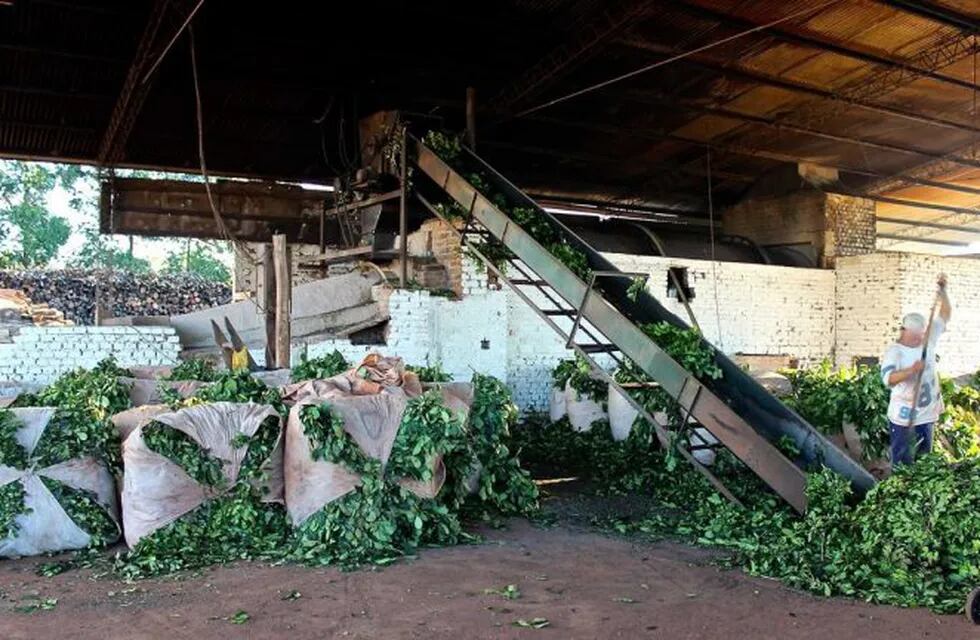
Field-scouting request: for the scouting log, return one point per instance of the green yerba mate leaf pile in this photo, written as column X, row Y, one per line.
column 182, row 450
column 238, row 386
column 194, row 369
column 236, row 525
column 430, row 373
column 320, row 368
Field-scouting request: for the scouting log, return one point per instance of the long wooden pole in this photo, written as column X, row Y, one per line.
column 267, row 300
column 280, row 256
column 925, row 353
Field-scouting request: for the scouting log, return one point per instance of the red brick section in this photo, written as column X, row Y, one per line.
column 835, row 225
column 446, row 250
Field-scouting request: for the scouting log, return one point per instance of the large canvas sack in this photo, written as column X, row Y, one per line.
column 47, row 528
column 582, row 412
column 156, row 491
column 622, row 415
column 127, row 421
column 371, row 419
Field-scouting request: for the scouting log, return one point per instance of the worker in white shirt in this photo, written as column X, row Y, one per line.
column 915, row 354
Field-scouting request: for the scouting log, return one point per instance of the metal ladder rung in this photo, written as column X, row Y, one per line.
column 534, row 283
column 598, row 348
column 639, row 385
column 559, row 312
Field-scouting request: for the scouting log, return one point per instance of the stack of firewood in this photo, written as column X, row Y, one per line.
column 74, row 293
column 17, row 308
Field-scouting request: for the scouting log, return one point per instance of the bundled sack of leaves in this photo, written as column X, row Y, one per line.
column 576, row 392
column 203, row 484
column 365, row 471
column 54, row 495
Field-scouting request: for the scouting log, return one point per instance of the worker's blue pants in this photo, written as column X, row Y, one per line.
column 905, row 449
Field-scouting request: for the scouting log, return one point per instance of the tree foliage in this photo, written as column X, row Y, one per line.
column 36, row 233
column 200, row 259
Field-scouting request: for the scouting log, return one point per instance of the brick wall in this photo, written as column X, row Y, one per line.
column 835, row 225
column 761, row 309
column 764, row 310
column 875, row 291
column 852, row 225
column 789, row 219
column 245, row 271
column 437, row 239
column 39, row 355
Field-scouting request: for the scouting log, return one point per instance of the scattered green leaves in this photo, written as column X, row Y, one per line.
column 240, row 617
column 510, row 592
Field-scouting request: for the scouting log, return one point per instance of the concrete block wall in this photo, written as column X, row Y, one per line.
column 39, row 355
column 875, row 291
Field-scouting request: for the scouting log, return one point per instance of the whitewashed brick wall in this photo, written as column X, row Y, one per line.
column 764, row 310
column 761, row 309
column 875, row 291
column 39, row 355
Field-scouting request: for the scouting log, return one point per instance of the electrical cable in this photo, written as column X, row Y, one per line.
column 714, row 262
column 679, row 56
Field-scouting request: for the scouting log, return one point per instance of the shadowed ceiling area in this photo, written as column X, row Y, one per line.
column 883, row 91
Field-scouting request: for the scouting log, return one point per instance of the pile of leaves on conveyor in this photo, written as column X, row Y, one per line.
column 540, row 227
column 910, row 542
column 320, row 368
column 232, row 526
column 54, row 447
column 380, row 520
column 87, row 399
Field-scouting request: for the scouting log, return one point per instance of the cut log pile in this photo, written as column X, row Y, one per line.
column 17, row 308
column 74, row 292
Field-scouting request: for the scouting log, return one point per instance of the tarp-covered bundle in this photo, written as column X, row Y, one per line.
column 364, row 464
column 203, row 484
column 51, row 498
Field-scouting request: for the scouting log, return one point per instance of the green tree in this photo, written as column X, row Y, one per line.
column 100, row 252
column 200, row 259
column 24, row 188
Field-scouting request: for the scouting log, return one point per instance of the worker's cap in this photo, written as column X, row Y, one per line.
column 914, row 322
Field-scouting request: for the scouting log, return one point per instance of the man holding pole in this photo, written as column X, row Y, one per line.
column 909, row 370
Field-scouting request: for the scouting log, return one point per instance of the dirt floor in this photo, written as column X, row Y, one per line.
column 585, row 584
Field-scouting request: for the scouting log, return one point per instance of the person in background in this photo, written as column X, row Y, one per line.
column 911, row 431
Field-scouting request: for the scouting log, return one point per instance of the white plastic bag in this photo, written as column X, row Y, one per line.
column 557, row 406
column 582, row 412
column 622, row 415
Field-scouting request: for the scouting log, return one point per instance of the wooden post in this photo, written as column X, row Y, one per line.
column 266, row 297
column 280, row 257
column 471, row 118
column 403, row 210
